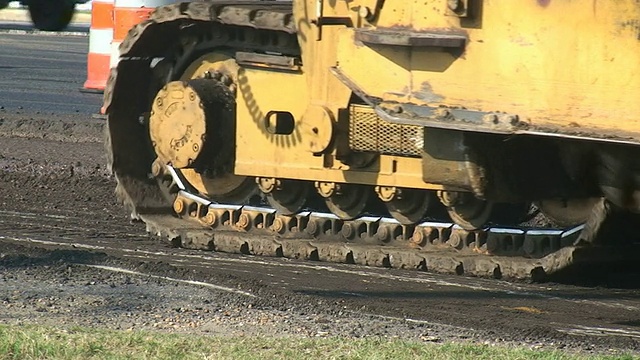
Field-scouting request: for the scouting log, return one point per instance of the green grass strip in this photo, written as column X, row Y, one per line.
column 33, row 342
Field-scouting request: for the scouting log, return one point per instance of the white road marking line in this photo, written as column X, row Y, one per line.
column 190, row 282
column 29, row 215
column 599, row 331
column 65, row 228
column 47, row 242
column 84, row 246
column 420, row 278
column 353, row 294
column 413, row 321
column 44, row 33
column 518, row 292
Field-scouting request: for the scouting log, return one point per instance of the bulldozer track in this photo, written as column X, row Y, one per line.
column 171, row 32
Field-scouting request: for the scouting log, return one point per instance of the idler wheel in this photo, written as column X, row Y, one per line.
column 192, row 129
column 467, row 211
column 189, row 122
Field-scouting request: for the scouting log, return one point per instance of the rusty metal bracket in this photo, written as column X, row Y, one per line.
column 322, row 20
column 432, row 38
column 267, row 61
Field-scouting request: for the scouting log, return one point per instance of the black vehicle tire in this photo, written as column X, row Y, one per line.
column 51, row 15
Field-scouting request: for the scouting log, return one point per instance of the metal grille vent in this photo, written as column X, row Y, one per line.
column 368, row 132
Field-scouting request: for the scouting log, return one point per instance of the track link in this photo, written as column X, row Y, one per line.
column 374, row 241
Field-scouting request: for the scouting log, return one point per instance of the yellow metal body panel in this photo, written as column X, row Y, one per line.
column 415, row 14
column 553, row 63
column 261, row 153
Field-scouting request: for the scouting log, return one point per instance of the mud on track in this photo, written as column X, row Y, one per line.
column 69, row 255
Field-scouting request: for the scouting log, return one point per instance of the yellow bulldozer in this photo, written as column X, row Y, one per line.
column 414, row 134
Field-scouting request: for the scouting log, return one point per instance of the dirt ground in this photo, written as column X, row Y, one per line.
column 70, row 256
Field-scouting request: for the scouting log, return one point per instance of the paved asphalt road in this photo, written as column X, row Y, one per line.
column 26, row 27
column 44, row 73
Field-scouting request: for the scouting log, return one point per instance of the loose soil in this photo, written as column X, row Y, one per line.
column 56, row 188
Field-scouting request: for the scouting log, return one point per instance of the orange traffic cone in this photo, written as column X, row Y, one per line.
column 100, row 39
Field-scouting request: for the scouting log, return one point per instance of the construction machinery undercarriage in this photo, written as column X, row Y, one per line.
column 232, row 127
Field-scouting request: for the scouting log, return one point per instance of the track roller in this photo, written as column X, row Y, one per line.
column 287, row 197
column 408, row 206
column 346, row 201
